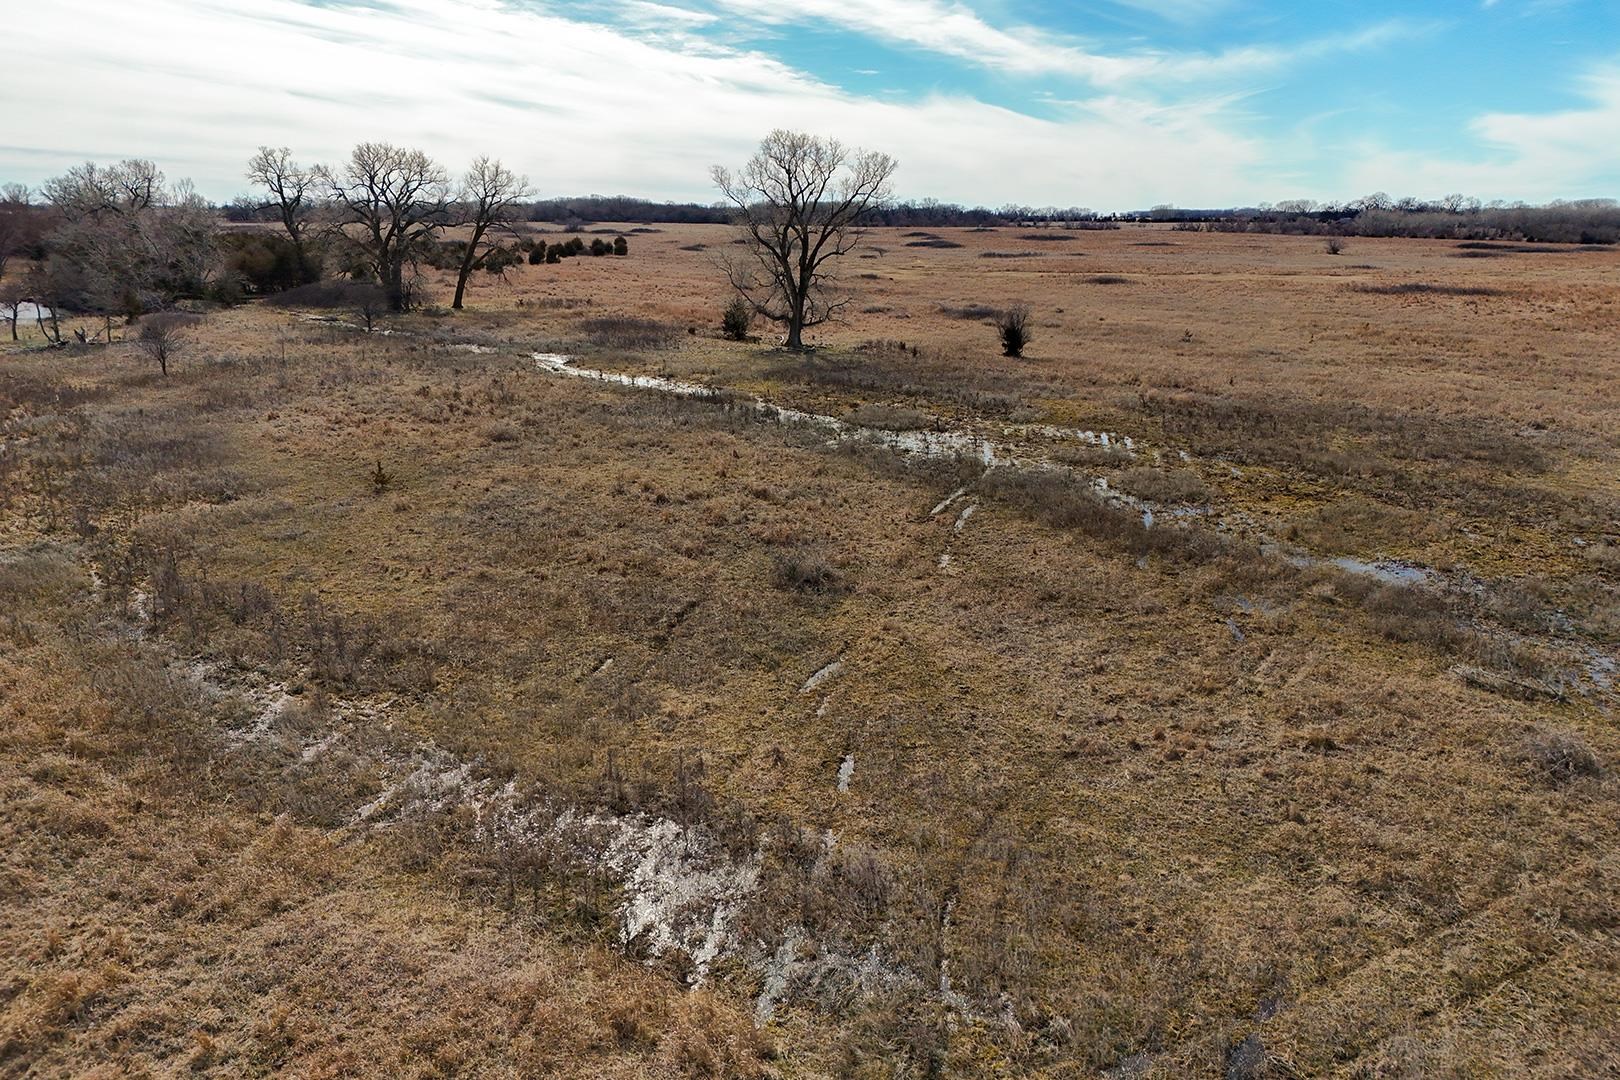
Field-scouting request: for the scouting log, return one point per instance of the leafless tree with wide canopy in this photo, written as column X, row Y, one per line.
column 398, row 198
column 800, row 201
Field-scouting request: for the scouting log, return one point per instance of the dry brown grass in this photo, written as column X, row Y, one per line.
column 1137, row 795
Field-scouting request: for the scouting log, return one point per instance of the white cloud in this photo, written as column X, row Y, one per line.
column 578, row 106
column 1570, row 153
column 583, row 106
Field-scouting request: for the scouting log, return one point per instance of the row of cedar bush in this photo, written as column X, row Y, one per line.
column 261, row 263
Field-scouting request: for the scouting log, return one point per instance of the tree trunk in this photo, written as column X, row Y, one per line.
column 296, row 234
column 14, row 336
column 468, row 261
column 795, row 335
column 395, row 286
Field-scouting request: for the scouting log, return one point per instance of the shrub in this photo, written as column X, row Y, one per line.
column 1419, row 288
column 805, row 571
column 499, row 260
column 736, row 320
column 368, row 301
column 624, row 332
column 889, row 417
column 161, row 337
column 1561, row 756
column 1013, row 326
column 1335, row 246
column 537, row 255
column 266, row 262
column 1164, row 485
column 599, row 247
column 621, row 246
column 969, row 311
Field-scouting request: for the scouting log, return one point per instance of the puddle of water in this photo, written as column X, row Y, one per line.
column 344, row 324
column 945, row 503
column 26, row 313
column 922, row 443
column 669, row 874
column 1601, row 669
column 822, row 676
column 846, row 770
column 1105, row 439
column 1390, row 571
column 777, row 973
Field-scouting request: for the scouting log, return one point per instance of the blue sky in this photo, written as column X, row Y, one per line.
column 1112, row 104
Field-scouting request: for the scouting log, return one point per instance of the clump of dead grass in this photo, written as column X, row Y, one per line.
column 1166, row 486
column 874, row 414
column 630, row 333
column 805, row 570
column 1560, row 757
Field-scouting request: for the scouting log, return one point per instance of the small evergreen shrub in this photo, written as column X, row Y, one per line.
column 736, row 319
column 1013, row 327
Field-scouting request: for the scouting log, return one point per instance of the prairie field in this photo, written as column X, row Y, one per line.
column 557, row 688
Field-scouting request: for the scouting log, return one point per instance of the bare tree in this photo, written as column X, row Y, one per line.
column 399, row 199
column 12, row 298
column 799, row 204
column 14, row 220
column 368, row 301
column 292, row 189
column 161, row 337
column 128, row 242
column 40, row 287
column 90, row 190
column 488, row 199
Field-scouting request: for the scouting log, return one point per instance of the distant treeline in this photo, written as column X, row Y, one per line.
column 585, row 209
column 1583, row 221
column 910, row 214
column 921, row 213
column 1456, row 217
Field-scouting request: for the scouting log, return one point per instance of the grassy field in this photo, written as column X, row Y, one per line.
column 1227, row 688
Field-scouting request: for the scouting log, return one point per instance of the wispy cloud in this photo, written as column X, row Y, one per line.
column 644, row 14
column 1179, row 10
column 952, row 29
column 1560, row 153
